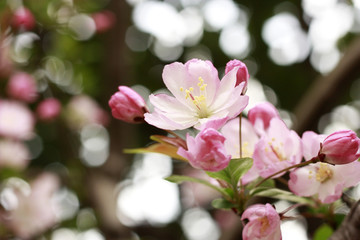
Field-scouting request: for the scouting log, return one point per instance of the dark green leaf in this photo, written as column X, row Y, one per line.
column 278, row 194
column 234, row 171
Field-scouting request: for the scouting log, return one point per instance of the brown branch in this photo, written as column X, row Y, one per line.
column 350, row 227
column 326, row 90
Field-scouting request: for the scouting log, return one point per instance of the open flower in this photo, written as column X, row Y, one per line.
column 206, row 151
column 279, row 148
column 264, row 223
column 200, row 98
column 324, row 180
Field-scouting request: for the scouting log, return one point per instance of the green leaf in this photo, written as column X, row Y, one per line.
column 323, row 232
column 278, row 194
column 180, row 179
column 221, row 203
column 234, row 171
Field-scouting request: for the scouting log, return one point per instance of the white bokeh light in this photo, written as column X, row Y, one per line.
column 197, row 224
column 147, row 197
column 235, row 41
column 83, row 26
column 161, row 20
column 220, row 13
column 288, row 43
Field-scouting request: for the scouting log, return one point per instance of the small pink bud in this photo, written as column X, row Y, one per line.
column 22, row 86
column 23, row 18
column 104, row 20
column 340, row 147
column 206, row 151
column 127, row 105
column 242, row 74
column 262, row 113
column 48, row 109
column 264, row 223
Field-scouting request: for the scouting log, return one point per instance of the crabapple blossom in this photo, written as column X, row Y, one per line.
column 33, row 211
column 22, row 86
column 264, row 223
column 232, row 145
column 48, row 109
column 278, row 149
column 324, row 180
column 242, row 73
column 13, row 154
column 311, row 144
column 16, row 120
column 261, row 114
column 340, row 147
column 200, row 98
column 23, row 18
column 206, row 151
column 127, row 105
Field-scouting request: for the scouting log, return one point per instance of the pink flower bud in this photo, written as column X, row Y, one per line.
column 22, row 86
column 261, row 114
column 206, row 151
column 340, row 147
column 104, row 20
column 242, row 73
column 48, row 109
column 264, row 223
column 23, row 18
column 127, row 105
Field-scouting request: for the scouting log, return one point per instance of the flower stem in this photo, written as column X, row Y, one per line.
column 302, row 164
column 240, row 138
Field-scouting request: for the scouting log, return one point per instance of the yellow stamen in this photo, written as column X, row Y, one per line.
column 324, row 173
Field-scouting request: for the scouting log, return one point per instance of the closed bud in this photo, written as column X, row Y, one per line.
column 242, row 74
column 127, row 105
column 340, row 147
column 23, row 18
column 206, row 151
column 49, row 109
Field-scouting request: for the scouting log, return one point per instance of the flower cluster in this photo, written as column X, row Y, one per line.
column 243, row 152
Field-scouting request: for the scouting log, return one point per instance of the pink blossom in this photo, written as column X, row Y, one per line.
column 206, row 151
column 264, row 223
column 261, row 114
column 200, row 98
column 324, row 180
column 242, row 73
column 83, row 110
column 340, row 147
column 127, row 105
column 311, row 142
column 104, row 20
column 13, row 154
column 277, row 149
column 48, row 109
column 249, row 140
column 33, row 210
column 22, row 86
column 23, row 18
column 16, row 120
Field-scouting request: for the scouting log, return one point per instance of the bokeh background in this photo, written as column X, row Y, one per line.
column 303, row 56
